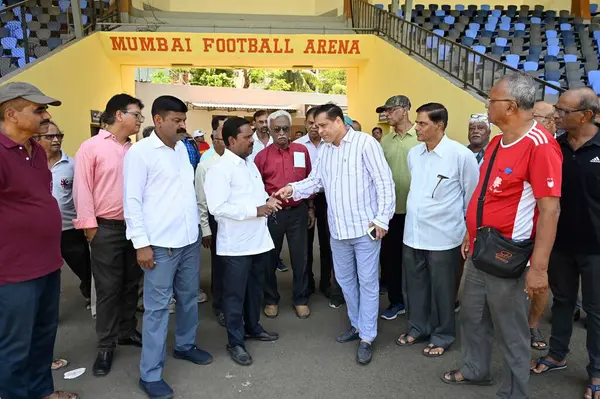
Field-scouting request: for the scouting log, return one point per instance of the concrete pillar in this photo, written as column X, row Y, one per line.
column 77, row 22
column 408, row 4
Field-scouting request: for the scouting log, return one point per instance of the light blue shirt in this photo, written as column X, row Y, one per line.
column 441, row 186
column 62, row 189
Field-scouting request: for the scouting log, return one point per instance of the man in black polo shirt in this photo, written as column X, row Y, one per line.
column 577, row 247
column 30, row 258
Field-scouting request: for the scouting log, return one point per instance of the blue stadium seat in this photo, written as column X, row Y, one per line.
column 379, row 6
column 552, row 76
column 440, row 13
column 474, row 26
column 505, row 20
column 551, row 33
column 520, row 33
column 504, row 26
column 596, row 35
column 549, row 91
column 486, row 7
column 593, row 8
column 553, row 42
column 520, row 26
column 400, row 14
column 535, row 21
column 449, row 19
column 17, row 52
column 443, row 51
column 570, row 58
column 565, row 27
column 8, row 42
column 83, row 4
column 513, row 60
column 501, row 41
column 64, row 5
column 497, row 13
column 594, row 80
column 460, row 7
column 479, row 49
column 490, row 26
column 530, row 66
column 493, row 20
column 471, row 33
column 18, row 34
column 467, row 41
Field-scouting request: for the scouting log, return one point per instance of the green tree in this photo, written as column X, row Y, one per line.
column 297, row 80
column 333, row 81
column 212, row 77
column 161, row 76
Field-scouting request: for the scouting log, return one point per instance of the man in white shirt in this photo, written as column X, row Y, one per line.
column 262, row 136
column 158, row 175
column 444, row 175
column 236, row 197
column 360, row 192
column 328, row 284
column 208, row 225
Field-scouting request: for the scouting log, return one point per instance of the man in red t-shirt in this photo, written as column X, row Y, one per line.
column 280, row 164
column 203, row 146
column 522, row 197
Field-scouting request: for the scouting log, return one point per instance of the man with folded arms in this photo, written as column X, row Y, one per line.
column 98, row 193
column 30, row 256
column 236, row 196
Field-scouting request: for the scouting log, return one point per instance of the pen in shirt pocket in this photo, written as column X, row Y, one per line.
column 440, row 178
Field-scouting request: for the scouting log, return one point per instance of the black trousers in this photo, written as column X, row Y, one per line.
column 117, row 277
column 28, row 324
column 391, row 259
column 76, row 252
column 564, row 271
column 292, row 223
column 242, row 294
column 216, row 269
column 327, row 277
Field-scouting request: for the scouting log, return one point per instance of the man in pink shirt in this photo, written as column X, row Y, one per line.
column 98, row 194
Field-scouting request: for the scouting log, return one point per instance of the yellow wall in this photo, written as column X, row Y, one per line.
column 83, row 77
column 87, row 73
column 262, row 7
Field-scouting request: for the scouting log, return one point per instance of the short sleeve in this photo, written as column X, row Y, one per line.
column 545, row 170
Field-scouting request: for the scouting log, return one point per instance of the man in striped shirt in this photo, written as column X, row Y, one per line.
column 358, row 184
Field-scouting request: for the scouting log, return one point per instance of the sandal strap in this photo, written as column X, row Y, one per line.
column 452, row 375
column 594, row 388
column 547, row 363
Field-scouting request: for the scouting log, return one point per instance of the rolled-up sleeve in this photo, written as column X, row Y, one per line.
column 381, row 174
column 201, row 200
column 83, row 197
column 309, row 186
column 217, row 188
column 135, row 174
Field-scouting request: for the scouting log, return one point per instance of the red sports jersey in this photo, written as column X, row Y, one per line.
column 523, row 171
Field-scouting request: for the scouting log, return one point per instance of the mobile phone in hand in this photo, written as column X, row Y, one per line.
column 372, row 233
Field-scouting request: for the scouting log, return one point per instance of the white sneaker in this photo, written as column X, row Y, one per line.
column 202, row 297
column 172, row 306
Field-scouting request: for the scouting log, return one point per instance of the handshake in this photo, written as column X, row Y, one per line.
column 274, row 203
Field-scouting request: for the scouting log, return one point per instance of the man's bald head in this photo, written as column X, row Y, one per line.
column 545, row 114
column 577, row 107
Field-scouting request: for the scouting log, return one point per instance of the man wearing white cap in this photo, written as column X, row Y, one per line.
column 479, row 135
column 203, row 146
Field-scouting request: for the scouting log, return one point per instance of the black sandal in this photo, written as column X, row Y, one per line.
column 538, row 338
column 432, row 347
column 407, row 342
column 451, row 380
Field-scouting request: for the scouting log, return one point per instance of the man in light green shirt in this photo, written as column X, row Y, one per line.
column 396, row 145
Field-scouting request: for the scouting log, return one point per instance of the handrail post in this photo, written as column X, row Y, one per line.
column 25, row 34
column 77, row 20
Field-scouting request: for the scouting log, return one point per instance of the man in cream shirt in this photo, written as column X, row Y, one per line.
column 236, row 196
column 209, row 225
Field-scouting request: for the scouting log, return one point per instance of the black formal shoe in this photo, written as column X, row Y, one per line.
column 264, row 336
column 134, row 339
column 103, row 363
column 349, row 335
column 239, row 355
column 364, row 353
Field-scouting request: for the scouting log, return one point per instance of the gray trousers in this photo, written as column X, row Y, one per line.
column 495, row 304
column 430, row 288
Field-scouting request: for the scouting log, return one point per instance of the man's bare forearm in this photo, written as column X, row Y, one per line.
column 549, row 209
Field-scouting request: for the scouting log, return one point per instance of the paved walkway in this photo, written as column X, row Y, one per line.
column 305, row 362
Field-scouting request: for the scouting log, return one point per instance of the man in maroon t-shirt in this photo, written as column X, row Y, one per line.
column 279, row 164
column 521, row 198
column 30, row 258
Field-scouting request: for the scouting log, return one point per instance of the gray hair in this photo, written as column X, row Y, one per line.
column 588, row 100
column 277, row 114
column 522, row 88
column 480, row 118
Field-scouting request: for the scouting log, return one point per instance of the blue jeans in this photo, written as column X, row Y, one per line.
column 175, row 270
column 28, row 324
column 356, row 265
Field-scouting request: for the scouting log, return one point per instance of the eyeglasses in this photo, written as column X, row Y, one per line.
column 551, row 118
column 50, row 137
column 391, row 110
column 563, row 112
column 493, row 100
column 278, row 129
column 217, row 139
column 137, row 115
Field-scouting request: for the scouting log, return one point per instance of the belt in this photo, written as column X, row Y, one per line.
column 110, row 222
column 287, row 208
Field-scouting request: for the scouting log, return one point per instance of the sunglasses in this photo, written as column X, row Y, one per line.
column 278, row 129
column 50, row 137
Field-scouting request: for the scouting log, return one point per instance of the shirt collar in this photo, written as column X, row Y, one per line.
column 441, row 148
column 155, row 140
column 409, row 132
column 349, row 135
column 105, row 134
column 233, row 157
column 8, row 143
column 562, row 139
column 306, row 140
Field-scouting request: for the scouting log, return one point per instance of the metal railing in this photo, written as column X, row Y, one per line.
column 472, row 70
column 41, row 26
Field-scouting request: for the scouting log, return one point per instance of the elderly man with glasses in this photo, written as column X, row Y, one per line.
column 73, row 245
column 576, row 251
column 517, row 203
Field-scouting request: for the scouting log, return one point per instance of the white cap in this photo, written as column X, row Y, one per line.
column 198, row 133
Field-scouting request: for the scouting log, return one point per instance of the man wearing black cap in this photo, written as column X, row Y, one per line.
column 395, row 148
column 30, row 220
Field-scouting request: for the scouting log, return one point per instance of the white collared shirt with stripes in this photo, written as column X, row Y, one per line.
column 358, row 185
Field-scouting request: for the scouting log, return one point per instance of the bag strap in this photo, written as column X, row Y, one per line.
column 486, row 179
